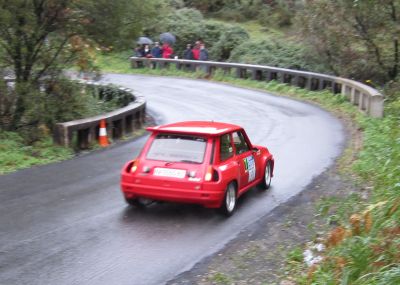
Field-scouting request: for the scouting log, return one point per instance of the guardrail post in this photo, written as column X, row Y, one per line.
column 134, row 63
column 241, row 72
column 280, row 77
column 227, row 70
column 345, row 91
column 376, row 106
column 356, row 98
column 238, row 72
column 256, row 74
column 363, row 102
column 308, row 83
column 320, row 84
column 128, row 124
column 92, row 135
column 83, row 138
column 267, row 76
column 352, row 95
column 212, row 69
column 295, row 80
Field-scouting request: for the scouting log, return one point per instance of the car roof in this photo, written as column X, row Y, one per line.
column 209, row 128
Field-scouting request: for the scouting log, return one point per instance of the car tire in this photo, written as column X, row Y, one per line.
column 266, row 181
column 230, row 200
column 138, row 202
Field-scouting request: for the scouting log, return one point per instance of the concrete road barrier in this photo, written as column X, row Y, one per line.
column 368, row 99
column 84, row 132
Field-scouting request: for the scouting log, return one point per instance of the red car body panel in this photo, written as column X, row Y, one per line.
column 180, row 181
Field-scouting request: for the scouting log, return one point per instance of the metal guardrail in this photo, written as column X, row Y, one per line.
column 85, row 132
column 368, row 99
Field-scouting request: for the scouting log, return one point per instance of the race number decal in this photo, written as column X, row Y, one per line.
column 250, row 167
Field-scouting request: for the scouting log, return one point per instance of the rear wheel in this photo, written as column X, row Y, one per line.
column 266, row 181
column 139, row 202
column 229, row 204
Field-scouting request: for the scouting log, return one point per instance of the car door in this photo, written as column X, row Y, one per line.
column 245, row 159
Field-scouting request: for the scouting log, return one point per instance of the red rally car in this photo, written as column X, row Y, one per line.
column 207, row 163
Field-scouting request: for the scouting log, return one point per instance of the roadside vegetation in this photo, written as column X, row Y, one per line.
column 39, row 40
column 354, row 39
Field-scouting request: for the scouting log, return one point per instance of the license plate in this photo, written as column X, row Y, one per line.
column 168, row 172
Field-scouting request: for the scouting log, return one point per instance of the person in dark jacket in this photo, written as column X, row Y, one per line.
column 203, row 55
column 188, row 54
column 146, row 52
column 156, row 51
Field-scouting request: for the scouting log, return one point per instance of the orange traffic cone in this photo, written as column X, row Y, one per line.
column 103, row 140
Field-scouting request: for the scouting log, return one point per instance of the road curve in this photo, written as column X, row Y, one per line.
column 66, row 223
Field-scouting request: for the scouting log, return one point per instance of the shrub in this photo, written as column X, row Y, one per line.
column 239, row 12
column 277, row 53
column 230, row 39
column 188, row 25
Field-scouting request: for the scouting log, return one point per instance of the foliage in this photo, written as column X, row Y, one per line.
column 276, row 52
column 15, row 154
column 122, row 23
column 113, row 94
column 357, row 38
column 206, row 6
column 78, row 102
column 280, row 13
column 240, row 11
column 176, row 4
column 231, row 38
column 188, row 25
column 38, row 39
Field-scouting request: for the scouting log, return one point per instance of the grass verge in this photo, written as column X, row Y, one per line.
column 14, row 154
column 364, row 246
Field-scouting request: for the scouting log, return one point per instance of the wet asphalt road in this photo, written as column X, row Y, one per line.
column 67, row 223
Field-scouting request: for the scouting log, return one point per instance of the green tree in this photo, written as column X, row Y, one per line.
column 40, row 38
column 357, row 38
column 231, row 38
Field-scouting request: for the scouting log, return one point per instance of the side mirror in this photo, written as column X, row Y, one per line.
column 255, row 150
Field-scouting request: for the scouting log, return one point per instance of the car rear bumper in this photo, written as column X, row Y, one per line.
column 206, row 197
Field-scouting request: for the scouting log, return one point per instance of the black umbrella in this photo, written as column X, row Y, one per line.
column 167, row 38
column 144, row 41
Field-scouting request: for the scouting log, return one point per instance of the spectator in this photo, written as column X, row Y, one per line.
column 146, row 52
column 137, row 51
column 156, row 50
column 203, row 55
column 167, row 51
column 188, row 54
column 196, row 50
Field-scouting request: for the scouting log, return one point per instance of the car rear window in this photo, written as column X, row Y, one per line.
column 177, row 148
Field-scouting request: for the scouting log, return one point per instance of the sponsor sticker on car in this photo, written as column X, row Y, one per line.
column 250, row 167
column 169, row 172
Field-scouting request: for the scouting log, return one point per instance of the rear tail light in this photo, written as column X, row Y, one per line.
column 208, row 175
column 211, row 174
column 134, row 166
